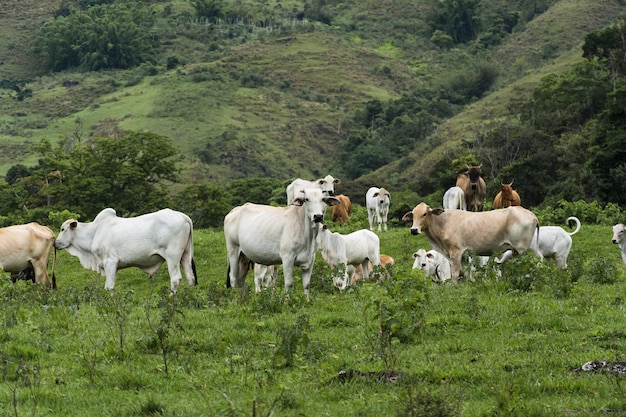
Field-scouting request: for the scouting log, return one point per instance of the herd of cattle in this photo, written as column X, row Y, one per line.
column 262, row 237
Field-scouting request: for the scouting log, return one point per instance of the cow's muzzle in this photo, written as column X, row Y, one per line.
column 318, row 218
column 614, row 241
column 415, row 231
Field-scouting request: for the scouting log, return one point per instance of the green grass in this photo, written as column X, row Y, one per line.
column 484, row 348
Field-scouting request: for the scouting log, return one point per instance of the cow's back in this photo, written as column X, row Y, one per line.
column 488, row 231
column 260, row 230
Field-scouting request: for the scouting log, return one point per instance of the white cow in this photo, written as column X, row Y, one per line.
column 619, row 238
column 454, row 198
column 264, row 276
column 26, row 247
column 326, row 184
column 377, row 201
column 271, row 235
column 452, row 232
column 111, row 243
column 356, row 248
column 433, row 264
column 552, row 242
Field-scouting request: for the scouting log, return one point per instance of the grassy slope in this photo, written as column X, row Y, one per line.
column 312, row 83
column 560, row 29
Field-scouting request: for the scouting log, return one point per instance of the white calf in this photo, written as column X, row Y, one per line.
column 356, row 248
column 433, row 264
column 619, row 238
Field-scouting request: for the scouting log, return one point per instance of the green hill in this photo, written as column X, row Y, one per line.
column 275, row 93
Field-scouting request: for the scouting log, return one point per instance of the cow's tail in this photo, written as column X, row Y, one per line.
column 195, row 273
column 54, row 263
column 244, row 266
column 228, row 276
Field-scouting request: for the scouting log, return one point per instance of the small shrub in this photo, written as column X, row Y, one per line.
column 601, row 271
column 291, row 338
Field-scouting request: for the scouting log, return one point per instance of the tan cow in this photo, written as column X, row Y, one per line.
column 472, row 182
column 507, row 197
column 386, row 261
column 27, row 246
column 341, row 211
column 452, row 232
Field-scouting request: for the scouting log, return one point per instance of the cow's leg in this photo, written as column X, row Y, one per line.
column 456, row 257
column 385, row 222
column 110, row 272
column 233, row 264
column 41, row 271
column 288, row 272
column 175, row 275
column 306, row 280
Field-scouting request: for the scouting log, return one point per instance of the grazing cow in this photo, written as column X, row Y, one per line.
column 356, row 248
column 27, row 247
column 270, row 235
column 110, row 243
column 264, row 276
column 452, row 232
column 377, row 201
column 341, row 212
column 327, row 185
column 433, row 264
column 619, row 238
column 472, row 182
column 507, row 197
column 454, row 198
column 552, row 242
column 386, row 262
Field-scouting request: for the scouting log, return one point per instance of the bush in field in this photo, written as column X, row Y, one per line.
column 601, row 271
column 587, row 212
column 527, row 273
column 394, row 313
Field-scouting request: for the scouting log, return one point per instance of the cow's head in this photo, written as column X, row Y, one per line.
column 64, row 240
column 420, row 216
column 327, row 184
column 314, row 202
column 619, row 232
column 474, row 175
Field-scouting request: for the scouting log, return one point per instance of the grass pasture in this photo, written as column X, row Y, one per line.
column 493, row 347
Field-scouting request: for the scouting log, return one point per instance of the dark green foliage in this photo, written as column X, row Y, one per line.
column 291, row 340
column 209, row 9
column 205, row 204
column 102, row 36
column 457, row 18
column 126, row 174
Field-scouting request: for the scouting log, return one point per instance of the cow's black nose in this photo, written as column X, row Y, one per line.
column 614, row 241
column 415, row 232
column 318, row 218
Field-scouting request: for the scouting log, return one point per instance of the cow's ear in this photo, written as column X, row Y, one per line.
column 332, row 201
column 324, row 227
column 297, row 202
column 408, row 216
column 437, row 211
column 73, row 224
column 337, row 181
column 414, row 255
column 430, row 256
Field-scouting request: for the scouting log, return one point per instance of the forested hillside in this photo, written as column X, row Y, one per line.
column 141, row 104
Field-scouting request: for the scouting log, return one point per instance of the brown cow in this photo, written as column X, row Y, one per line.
column 27, row 246
column 341, row 211
column 507, row 197
column 472, row 182
column 385, row 262
column 452, row 232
